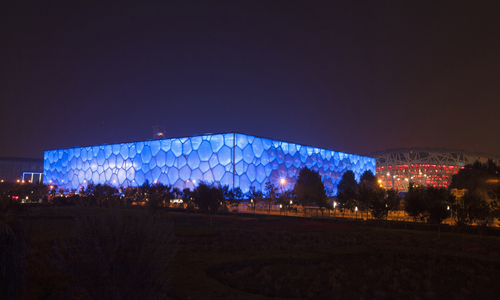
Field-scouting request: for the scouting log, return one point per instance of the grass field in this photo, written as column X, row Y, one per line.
column 259, row 257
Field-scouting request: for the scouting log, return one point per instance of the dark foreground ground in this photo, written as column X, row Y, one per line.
column 258, row 258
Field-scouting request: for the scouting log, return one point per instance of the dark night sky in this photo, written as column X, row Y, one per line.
column 346, row 75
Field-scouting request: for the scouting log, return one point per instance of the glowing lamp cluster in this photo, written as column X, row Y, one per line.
column 233, row 159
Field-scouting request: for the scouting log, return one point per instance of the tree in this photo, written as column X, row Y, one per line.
column 132, row 196
column 53, row 193
column 231, row 198
column 238, row 193
column 208, row 198
column 481, row 202
column 482, row 209
column 101, row 194
column 186, row 196
column 285, row 200
column 323, row 204
column 157, row 195
column 254, row 196
column 475, row 207
column 415, row 205
column 370, row 196
column 227, row 197
column 368, row 179
column 475, row 176
column 188, row 200
column 235, row 201
column 393, row 200
column 437, row 202
column 271, row 195
column 346, row 191
column 143, row 192
column 310, row 190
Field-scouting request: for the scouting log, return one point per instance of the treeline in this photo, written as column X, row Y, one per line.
column 209, row 198
column 480, row 203
column 426, row 204
column 366, row 196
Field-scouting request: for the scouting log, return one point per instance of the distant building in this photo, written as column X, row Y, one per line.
column 233, row 159
column 396, row 168
column 12, row 168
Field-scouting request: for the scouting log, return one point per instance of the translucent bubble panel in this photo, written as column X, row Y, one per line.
column 233, row 159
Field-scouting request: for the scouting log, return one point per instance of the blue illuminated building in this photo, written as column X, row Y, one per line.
column 234, row 159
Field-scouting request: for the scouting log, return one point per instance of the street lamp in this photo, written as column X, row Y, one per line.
column 283, row 184
column 356, row 212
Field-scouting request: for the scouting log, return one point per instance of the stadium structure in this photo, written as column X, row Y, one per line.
column 233, row 159
column 396, row 168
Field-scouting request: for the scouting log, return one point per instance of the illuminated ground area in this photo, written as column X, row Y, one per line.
column 423, row 166
column 235, row 259
column 233, row 159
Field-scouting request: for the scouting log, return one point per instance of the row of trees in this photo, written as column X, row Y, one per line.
column 210, row 198
column 428, row 204
column 366, row 196
column 479, row 205
column 481, row 201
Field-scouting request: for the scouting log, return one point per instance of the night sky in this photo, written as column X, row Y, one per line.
column 351, row 76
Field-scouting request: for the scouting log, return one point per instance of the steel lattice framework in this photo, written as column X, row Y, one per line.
column 396, row 168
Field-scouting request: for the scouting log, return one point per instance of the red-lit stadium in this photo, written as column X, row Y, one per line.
column 396, row 168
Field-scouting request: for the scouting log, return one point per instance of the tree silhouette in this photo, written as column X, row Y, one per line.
column 271, row 195
column 346, row 191
column 254, row 196
column 415, row 203
column 310, row 190
column 438, row 200
column 393, row 200
column 370, row 196
column 208, row 198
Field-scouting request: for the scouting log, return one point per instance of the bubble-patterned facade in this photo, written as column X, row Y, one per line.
column 233, row 159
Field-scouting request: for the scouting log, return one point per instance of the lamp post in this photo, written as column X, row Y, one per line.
column 356, row 212
column 283, row 185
